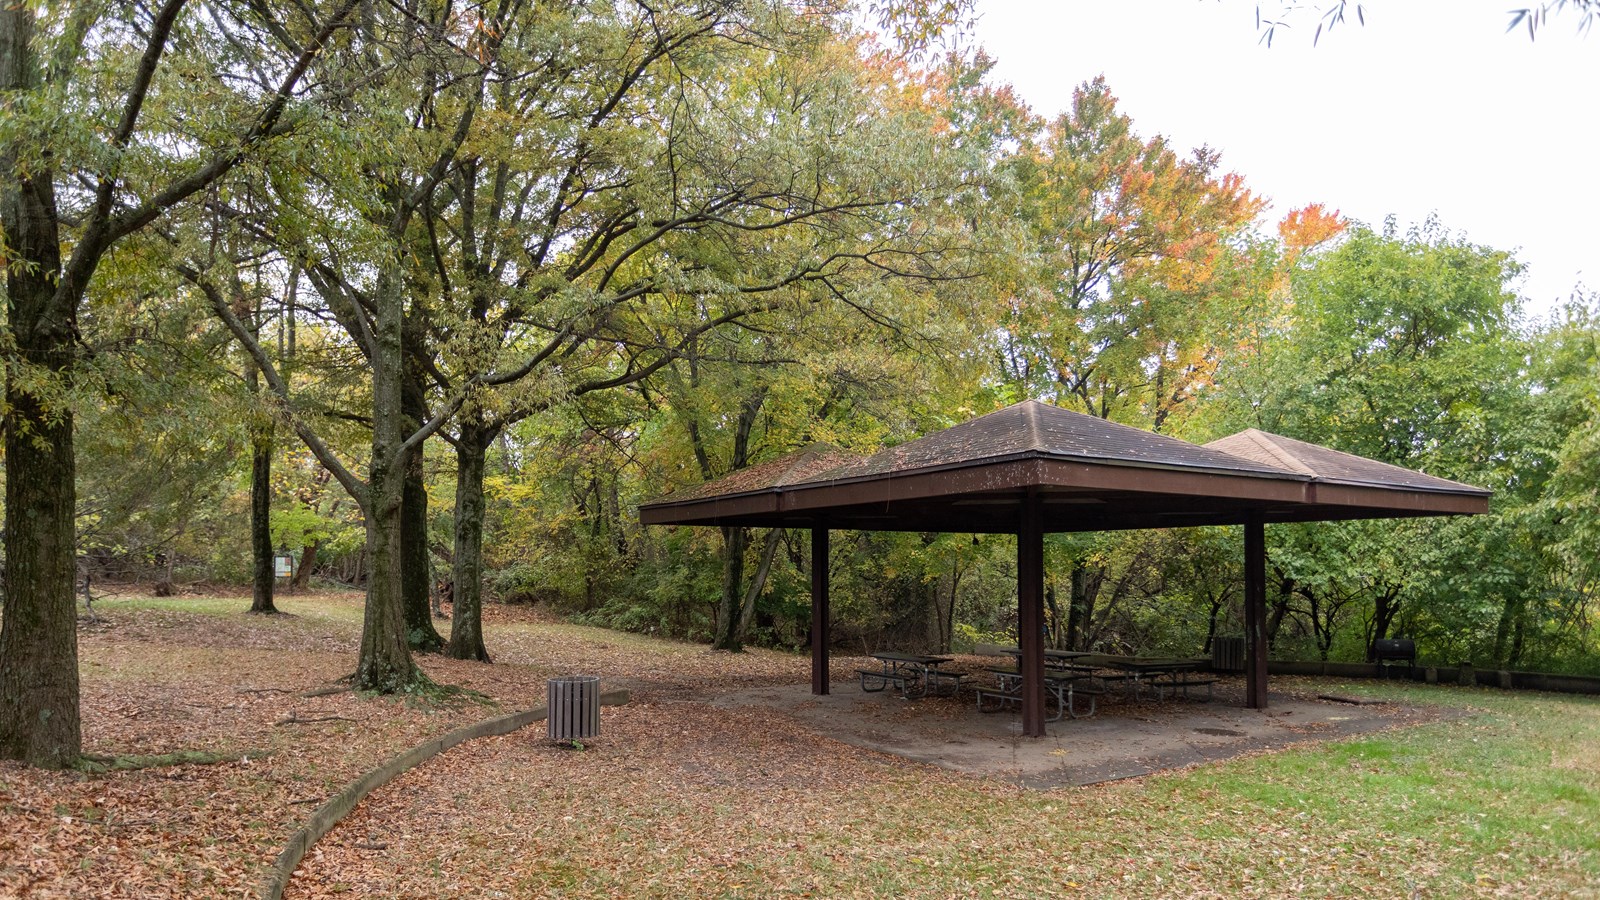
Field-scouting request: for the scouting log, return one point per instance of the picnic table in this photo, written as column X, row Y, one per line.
column 1158, row 672
column 1064, row 686
column 1053, row 659
column 914, row 675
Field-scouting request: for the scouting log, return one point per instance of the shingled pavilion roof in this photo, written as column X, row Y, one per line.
column 1330, row 466
column 1090, row 475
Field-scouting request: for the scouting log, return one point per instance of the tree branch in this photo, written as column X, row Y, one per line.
column 355, row 487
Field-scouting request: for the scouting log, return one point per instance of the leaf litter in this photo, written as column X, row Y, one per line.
column 679, row 796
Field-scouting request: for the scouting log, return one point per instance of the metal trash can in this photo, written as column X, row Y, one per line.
column 1227, row 654
column 574, row 707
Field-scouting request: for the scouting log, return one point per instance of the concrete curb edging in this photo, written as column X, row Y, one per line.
column 340, row 805
column 1460, row 674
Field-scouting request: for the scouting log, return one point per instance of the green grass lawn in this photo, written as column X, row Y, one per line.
column 1509, row 796
column 312, row 607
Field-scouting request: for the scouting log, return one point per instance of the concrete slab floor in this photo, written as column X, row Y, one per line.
column 1126, row 738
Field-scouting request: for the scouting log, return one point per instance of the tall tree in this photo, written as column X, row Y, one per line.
column 1138, row 264
column 362, row 277
column 102, row 68
column 263, row 429
column 768, row 169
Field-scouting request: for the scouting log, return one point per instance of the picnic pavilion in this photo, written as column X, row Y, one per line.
column 1033, row 468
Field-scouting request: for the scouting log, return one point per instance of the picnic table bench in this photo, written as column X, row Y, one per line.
column 1064, row 687
column 1053, row 659
column 1183, row 684
column 1161, row 674
column 913, row 675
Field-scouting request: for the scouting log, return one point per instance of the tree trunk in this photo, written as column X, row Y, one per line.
column 734, row 539
column 39, row 718
column 757, row 584
column 261, row 434
column 466, row 608
column 1080, row 608
column 1518, row 633
column 1385, row 608
column 308, row 558
column 416, row 574
column 1280, row 608
column 1217, row 601
column 1321, row 609
column 385, row 663
column 1055, row 628
column 947, row 626
column 261, row 517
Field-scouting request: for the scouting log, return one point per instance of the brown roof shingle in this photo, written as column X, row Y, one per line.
column 792, row 468
column 1326, row 464
column 1032, row 427
column 1099, row 475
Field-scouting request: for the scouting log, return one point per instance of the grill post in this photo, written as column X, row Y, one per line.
column 573, row 704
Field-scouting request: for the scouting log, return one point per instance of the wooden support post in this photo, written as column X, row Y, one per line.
column 820, row 636
column 1030, row 613
column 1255, row 611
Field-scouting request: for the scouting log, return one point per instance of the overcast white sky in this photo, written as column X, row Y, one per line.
column 1429, row 107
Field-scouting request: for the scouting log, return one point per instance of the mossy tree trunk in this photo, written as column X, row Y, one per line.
column 39, row 720
column 466, row 613
column 416, row 573
column 385, row 663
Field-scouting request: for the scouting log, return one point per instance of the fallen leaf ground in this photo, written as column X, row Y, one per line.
column 681, row 798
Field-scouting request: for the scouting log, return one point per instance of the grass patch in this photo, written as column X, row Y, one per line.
column 309, row 607
column 207, row 606
column 1448, row 808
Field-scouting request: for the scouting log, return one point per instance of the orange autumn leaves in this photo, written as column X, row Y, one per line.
column 1305, row 229
column 1142, row 263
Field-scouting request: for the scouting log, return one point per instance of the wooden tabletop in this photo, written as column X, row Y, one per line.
column 912, row 658
column 1052, row 654
column 1147, row 663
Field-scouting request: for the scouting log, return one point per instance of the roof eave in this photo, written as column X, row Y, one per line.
column 667, row 501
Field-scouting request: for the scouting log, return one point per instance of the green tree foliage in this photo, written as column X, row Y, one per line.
column 1408, row 348
column 765, row 194
column 1396, row 348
